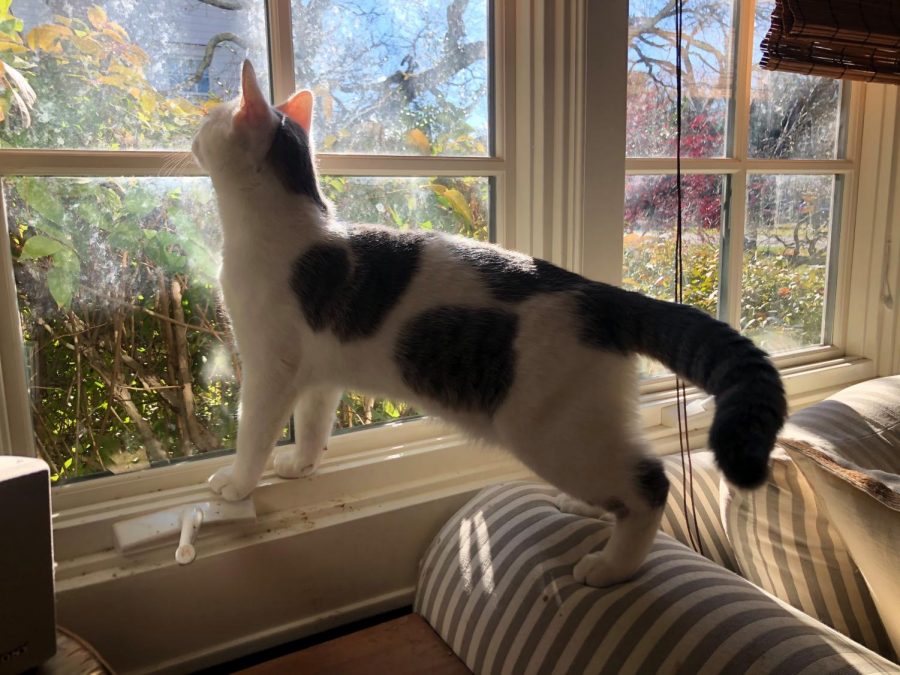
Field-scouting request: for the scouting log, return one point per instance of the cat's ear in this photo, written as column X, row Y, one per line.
column 299, row 107
column 254, row 108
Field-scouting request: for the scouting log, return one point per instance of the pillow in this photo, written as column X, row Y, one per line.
column 714, row 543
column 496, row 584
column 866, row 511
column 848, row 447
column 784, row 543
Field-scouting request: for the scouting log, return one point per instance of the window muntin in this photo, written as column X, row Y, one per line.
column 397, row 78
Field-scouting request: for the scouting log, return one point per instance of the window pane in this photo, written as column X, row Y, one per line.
column 649, row 243
column 708, row 67
column 130, row 355
column 786, row 247
column 792, row 116
column 130, row 358
column 395, row 77
column 123, row 74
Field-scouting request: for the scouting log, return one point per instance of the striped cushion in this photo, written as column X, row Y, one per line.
column 859, row 427
column 713, row 542
column 785, row 544
column 496, row 584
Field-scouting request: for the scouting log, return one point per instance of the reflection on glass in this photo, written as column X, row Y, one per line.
column 791, row 116
column 708, row 67
column 121, row 74
column 789, row 224
column 395, row 77
column 129, row 353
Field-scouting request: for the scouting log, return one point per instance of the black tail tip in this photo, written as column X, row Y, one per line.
column 743, row 456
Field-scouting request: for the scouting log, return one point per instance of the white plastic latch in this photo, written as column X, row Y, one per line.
column 700, row 413
column 182, row 522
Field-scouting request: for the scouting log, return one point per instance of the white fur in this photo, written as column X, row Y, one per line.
column 569, row 416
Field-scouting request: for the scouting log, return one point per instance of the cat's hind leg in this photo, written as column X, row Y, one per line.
column 268, row 392
column 637, row 504
column 313, row 422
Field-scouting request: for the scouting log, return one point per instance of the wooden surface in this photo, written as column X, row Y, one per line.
column 73, row 656
column 404, row 646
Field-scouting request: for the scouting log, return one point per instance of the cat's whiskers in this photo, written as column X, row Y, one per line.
column 175, row 163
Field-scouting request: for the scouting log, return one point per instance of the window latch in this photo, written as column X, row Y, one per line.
column 182, row 522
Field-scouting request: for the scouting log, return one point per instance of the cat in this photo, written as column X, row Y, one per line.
column 512, row 349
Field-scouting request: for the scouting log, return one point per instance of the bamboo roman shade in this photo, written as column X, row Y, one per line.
column 855, row 39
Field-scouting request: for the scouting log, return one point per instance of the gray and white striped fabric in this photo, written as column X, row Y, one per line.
column 859, row 427
column 496, row 584
column 713, row 542
column 784, row 543
column 781, row 535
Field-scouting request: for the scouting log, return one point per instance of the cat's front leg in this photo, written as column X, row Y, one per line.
column 267, row 395
column 313, row 421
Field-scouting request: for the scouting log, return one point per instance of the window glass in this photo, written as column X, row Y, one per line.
column 786, row 248
column 121, row 74
column 130, row 358
column 792, row 116
column 708, row 68
column 396, row 77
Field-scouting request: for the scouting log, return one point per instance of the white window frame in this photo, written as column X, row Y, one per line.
column 559, row 172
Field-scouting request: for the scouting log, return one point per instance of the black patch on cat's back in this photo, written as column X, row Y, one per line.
column 510, row 278
column 290, row 157
column 462, row 357
column 350, row 289
column 652, row 482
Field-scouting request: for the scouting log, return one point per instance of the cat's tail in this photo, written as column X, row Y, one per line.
column 750, row 401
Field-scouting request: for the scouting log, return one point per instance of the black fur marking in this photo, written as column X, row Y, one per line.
column 320, row 278
column 510, row 278
column 290, row 156
column 652, row 482
column 462, row 357
column 351, row 291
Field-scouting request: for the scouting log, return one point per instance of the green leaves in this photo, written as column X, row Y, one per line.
column 39, row 246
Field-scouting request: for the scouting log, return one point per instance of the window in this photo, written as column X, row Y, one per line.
column 765, row 162
column 129, row 358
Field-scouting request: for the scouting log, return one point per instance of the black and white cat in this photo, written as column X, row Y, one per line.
column 512, row 349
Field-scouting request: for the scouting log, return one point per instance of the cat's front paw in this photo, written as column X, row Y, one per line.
column 290, row 464
column 224, row 483
column 597, row 570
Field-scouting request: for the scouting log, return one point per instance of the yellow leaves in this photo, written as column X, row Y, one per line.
column 10, row 46
column 47, row 37
column 148, row 102
column 418, row 139
column 88, row 45
column 97, row 17
column 454, row 199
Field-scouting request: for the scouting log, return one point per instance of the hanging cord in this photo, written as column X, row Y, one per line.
column 687, row 467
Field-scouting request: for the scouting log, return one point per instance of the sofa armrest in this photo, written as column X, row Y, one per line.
column 496, row 584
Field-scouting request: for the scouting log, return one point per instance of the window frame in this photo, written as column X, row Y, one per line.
column 528, row 100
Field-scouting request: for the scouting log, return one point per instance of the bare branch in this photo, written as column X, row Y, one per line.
column 208, row 54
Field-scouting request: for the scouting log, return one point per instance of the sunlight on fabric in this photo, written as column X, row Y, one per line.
column 482, row 549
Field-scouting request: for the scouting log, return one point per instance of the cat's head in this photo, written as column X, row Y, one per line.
column 249, row 142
